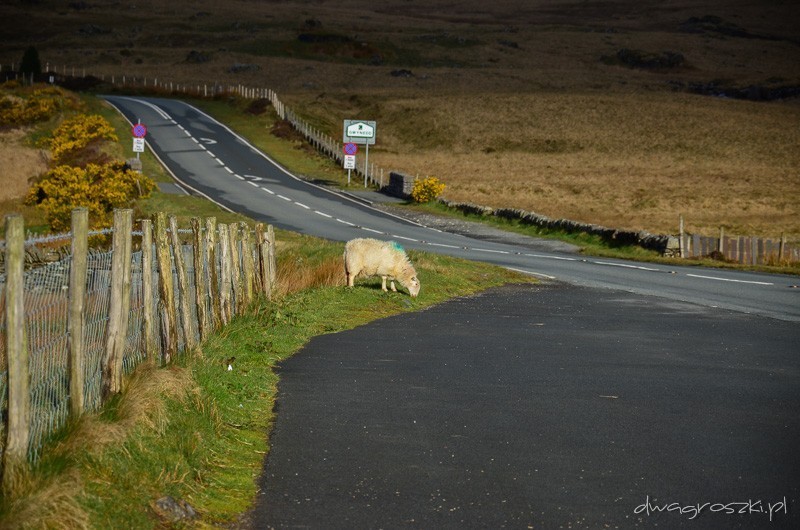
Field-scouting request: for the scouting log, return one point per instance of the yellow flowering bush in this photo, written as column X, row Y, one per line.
column 77, row 133
column 100, row 188
column 23, row 106
column 427, row 189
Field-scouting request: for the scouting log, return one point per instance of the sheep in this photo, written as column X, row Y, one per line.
column 372, row 257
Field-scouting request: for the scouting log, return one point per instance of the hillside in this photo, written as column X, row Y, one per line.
column 620, row 113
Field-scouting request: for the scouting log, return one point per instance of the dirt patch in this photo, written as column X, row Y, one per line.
column 18, row 164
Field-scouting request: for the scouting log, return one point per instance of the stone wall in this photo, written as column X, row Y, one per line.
column 400, row 185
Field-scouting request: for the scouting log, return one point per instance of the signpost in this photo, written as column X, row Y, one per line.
column 350, row 150
column 361, row 132
column 139, row 131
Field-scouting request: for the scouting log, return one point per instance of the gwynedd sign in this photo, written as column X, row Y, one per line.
column 359, row 132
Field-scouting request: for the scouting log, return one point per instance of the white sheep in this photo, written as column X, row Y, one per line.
column 387, row 259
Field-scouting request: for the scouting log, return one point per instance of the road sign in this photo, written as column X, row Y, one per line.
column 349, row 161
column 359, row 132
column 139, row 130
column 138, row 145
column 350, row 148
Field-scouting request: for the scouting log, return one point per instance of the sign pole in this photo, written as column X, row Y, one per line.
column 138, row 122
column 366, row 166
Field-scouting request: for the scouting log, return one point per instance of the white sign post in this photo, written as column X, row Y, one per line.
column 361, row 132
column 349, row 163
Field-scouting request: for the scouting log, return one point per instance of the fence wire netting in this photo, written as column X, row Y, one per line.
column 46, row 293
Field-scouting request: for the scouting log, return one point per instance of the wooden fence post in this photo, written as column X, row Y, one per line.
column 150, row 348
column 263, row 260
column 273, row 269
column 183, row 286
column 15, row 453
column 782, row 248
column 213, row 270
column 200, row 279
column 721, row 244
column 117, row 328
column 77, row 297
column 166, row 289
column 247, row 264
column 225, row 274
column 236, row 274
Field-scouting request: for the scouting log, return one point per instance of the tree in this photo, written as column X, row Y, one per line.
column 30, row 62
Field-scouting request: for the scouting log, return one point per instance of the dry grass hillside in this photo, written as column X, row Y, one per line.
column 606, row 111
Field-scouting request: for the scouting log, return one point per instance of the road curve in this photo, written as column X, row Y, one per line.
column 207, row 158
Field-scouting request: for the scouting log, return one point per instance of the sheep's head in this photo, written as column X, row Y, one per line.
column 413, row 286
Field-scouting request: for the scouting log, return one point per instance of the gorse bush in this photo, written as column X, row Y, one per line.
column 98, row 188
column 77, row 133
column 427, row 189
column 24, row 106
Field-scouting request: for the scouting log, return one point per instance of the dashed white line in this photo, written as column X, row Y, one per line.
column 492, row 251
column 229, row 170
column 323, row 214
column 285, row 198
column 550, row 257
column 268, row 190
column 443, row 245
column 627, row 266
column 406, row 238
column 728, row 279
column 220, row 162
column 371, row 230
column 301, row 205
column 523, row 271
column 187, row 133
column 348, row 223
column 253, row 184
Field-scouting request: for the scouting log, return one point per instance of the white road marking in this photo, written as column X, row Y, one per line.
column 443, row 245
column 406, row 238
column 492, row 251
column 229, row 170
column 626, row 266
column 523, row 271
column 345, row 222
column 728, row 279
column 550, row 257
column 285, row 198
column 371, row 230
column 219, row 161
column 323, row 214
column 268, row 190
column 253, row 184
column 301, row 205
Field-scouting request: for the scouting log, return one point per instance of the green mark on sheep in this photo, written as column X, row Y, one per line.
column 397, row 246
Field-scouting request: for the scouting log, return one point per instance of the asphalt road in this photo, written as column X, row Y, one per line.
column 550, row 406
column 209, row 159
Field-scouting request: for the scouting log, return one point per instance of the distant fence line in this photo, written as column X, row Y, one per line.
column 72, row 328
column 744, row 250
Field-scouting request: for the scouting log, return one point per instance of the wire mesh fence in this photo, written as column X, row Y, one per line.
column 47, row 330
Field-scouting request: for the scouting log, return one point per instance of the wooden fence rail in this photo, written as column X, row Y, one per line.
column 205, row 298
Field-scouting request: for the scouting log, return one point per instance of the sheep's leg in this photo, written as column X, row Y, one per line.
column 391, row 283
column 350, row 277
column 383, row 284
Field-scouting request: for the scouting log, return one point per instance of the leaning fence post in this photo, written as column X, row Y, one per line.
column 199, row 279
column 166, row 288
column 77, row 297
column 782, row 247
column 183, row 285
column 19, row 397
column 120, row 302
column 682, row 246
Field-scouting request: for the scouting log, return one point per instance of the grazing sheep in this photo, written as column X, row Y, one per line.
column 387, row 259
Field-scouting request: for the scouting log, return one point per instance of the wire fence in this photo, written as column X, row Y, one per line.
column 48, row 321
